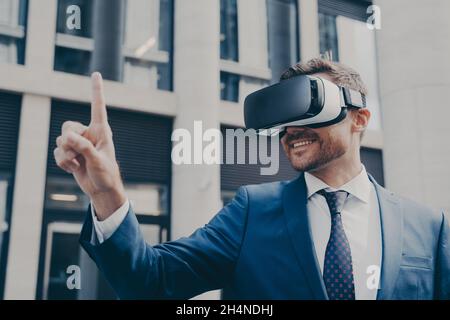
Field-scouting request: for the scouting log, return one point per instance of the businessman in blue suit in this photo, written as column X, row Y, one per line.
column 332, row 233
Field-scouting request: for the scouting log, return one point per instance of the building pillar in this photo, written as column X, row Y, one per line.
column 414, row 74
column 29, row 185
column 196, row 188
column 28, row 202
column 41, row 34
column 309, row 29
column 108, row 25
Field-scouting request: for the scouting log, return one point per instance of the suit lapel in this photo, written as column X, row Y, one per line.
column 297, row 222
column 392, row 235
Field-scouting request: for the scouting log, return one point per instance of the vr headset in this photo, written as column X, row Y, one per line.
column 300, row 101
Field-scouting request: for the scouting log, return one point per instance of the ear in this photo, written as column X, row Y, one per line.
column 361, row 119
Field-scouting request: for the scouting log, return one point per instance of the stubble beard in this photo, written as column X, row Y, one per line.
column 329, row 150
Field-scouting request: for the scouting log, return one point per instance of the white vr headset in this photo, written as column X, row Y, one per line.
column 299, row 101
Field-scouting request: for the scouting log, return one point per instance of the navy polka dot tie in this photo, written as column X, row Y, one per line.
column 338, row 270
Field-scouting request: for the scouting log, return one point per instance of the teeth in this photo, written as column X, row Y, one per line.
column 302, row 143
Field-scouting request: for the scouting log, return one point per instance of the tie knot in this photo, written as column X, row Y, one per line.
column 335, row 200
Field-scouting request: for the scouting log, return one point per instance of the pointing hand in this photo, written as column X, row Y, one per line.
column 88, row 153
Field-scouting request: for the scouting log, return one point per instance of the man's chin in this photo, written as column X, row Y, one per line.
column 306, row 163
column 303, row 165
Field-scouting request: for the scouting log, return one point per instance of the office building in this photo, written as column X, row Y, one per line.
column 182, row 61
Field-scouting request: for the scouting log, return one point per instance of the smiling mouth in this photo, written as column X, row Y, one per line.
column 302, row 143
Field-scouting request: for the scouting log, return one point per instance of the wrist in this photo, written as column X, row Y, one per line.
column 106, row 203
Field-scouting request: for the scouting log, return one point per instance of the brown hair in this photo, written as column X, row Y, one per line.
column 340, row 74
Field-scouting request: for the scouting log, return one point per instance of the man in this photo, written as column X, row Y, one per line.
column 332, row 233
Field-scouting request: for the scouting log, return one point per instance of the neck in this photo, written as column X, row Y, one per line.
column 339, row 171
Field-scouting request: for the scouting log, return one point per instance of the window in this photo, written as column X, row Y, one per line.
column 343, row 30
column 227, row 196
column 64, row 195
column 4, row 224
column 229, row 30
column 283, row 35
column 164, row 76
column 9, row 120
column 232, row 176
column 86, row 9
column 356, row 10
column 165, row 70
column 229, row 86
column 243, row 69
column 64, row 250
column 72, row 61
column 65, row 209
column 147, row 174
column 373, row 161
column 330, row 11
column 13, row 16
column 165, row 25
column 357, row 48
column 73, row 49
column 147, row 199
column 147, row 44
column 3, row 201
column 328, row 35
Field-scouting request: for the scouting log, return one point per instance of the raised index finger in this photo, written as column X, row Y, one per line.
column 98, row 106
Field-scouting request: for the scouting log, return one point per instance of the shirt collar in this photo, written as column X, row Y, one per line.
column 359, row 186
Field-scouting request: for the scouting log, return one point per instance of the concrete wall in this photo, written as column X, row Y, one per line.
column 414, row 67
column 29, row 188
column 196, row 188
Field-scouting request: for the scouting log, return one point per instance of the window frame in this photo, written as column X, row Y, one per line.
column 154, row 57
column 17, row 31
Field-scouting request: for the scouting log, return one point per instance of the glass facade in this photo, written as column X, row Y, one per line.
column 328, row 35
column 346, row 35
column 4, row 224
column 65, row 209
column 227, row 196
column 229, row 48
column 64, row 13
column 229, row 86
column 73, row 61
column 149, row 43
column 165, row 70
column 147, row 49
column 13, row 20
column 166, row 12
column 64, row 251
column 143, row 151
column 147, row 62
column 10, row 113
column 283, row 35
column 73, row 53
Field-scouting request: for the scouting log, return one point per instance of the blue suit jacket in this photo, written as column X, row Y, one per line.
column 260, row 247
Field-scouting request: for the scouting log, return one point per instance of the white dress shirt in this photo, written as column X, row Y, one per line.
column 105, row 229
column 361, row 221
column 360, row 218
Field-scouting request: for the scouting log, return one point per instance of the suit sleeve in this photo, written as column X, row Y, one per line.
column 443, row 260
column 178, row 269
